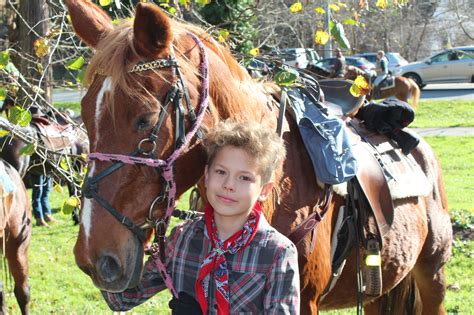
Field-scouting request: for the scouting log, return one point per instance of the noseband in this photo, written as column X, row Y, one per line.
column 165, row 168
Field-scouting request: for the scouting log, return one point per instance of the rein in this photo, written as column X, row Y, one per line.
column 166, row 168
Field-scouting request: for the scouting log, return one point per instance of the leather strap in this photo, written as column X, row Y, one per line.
column 311, row 222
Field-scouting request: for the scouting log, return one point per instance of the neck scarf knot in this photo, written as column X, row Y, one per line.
column 215, row 261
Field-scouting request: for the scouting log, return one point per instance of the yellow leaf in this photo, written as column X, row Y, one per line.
column 105, row 3
column 296, row 7
column 321, row 37
column 68, row 18
column 70, row 204
column 334, row 7
column 41, row 47
column 320, row 10
column 381, row 4
column 360, row 87
column 254, row 52
column 58, row 188
column 4, row 133
column 223, row 35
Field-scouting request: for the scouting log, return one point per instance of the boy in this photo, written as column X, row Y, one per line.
column 231, row 260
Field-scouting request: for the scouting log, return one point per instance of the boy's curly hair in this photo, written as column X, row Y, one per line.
column 259, row 141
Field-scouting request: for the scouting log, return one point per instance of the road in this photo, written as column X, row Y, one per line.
column 460, row 91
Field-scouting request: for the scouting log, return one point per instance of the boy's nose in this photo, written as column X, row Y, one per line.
column 229, row 184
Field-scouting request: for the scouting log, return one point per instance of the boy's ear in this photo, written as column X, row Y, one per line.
column 266, row 190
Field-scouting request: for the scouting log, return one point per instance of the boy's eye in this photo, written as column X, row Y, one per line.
column 220, row 172
column 246, row 178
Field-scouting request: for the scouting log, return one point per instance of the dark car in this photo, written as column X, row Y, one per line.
column 359, row 62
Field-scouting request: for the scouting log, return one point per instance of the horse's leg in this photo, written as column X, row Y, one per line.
column 17, row 256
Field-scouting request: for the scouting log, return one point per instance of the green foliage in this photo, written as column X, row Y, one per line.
column 19, row 116
column 337, row 30
column 462, row 219
column 76, row 64
column 4, row 58
column 286, row 77
column 235, row 16
column 28, row 149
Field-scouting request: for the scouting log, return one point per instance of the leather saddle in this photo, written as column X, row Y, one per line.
column 338, row 98
column 53, row 135
column 370, row 174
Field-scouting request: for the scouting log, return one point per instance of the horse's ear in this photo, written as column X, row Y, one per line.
column 151, row 31
column 89, row 21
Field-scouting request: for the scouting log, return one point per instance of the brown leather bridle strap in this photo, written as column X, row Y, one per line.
column 311, row 222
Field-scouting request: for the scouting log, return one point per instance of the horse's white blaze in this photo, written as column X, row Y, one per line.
column 86, row 219
column 106, row 86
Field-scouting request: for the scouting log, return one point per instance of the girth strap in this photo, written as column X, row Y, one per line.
column 311, row 222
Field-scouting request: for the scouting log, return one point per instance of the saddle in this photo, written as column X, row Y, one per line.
column 338, row 98
column 385, row 84
column 53, row 135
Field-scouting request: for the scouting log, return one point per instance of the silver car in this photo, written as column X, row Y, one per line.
column 454, row 65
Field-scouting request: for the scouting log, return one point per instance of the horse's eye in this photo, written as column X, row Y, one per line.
column 143, row 123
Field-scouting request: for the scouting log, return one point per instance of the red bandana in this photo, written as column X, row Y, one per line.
column 215, row 260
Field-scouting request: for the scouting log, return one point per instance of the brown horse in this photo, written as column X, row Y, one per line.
column 15, row 232
column 404, row 87
column 119, row 197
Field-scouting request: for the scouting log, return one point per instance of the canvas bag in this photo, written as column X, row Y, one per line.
column 325, row 138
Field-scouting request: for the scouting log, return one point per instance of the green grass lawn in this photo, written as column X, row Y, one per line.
column 441, row 113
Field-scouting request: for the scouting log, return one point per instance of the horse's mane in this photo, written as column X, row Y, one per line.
column 115, row 51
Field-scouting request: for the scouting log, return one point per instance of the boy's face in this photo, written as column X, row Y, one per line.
column 234, row 184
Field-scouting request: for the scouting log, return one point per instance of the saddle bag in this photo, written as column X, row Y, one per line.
column 325, row 138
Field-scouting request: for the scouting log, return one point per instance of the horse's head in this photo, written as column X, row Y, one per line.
column 132, row 107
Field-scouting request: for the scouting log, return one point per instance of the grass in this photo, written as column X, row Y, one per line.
column 441, row 113
column 457, row 161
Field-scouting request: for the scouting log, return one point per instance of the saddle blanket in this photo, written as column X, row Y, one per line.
column 5, row 180
column 388, row 83
column 403, row 174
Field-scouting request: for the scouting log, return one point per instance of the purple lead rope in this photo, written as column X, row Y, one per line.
column 168, row 164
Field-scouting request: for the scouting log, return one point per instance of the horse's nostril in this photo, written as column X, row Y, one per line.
column 109, row 268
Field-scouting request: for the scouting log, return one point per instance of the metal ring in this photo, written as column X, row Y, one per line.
column 153, row 143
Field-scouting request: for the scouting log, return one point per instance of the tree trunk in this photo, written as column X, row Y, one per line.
column 34, row 24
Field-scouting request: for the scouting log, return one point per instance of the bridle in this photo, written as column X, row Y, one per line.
column 165, row 168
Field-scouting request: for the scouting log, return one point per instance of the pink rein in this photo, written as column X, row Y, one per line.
column 167, row 164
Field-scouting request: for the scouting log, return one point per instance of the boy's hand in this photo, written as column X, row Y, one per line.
column 184, row 305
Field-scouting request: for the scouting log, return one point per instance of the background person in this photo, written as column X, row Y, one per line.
column 231, row 260
column 40, row 199
column 339, row 64
column 382, row 67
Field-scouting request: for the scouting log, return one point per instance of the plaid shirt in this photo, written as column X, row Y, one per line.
column 263, row 278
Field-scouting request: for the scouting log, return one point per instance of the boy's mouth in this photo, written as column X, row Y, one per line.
column 225, row 199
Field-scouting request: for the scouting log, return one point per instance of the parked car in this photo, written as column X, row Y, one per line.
column 454, row 65
column 359, row 62
column 297, row 57
column 395, row 60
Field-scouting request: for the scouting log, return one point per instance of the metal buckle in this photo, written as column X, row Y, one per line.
column 143, row 141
